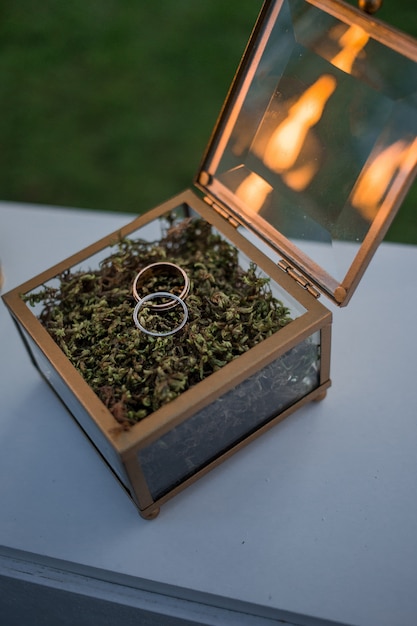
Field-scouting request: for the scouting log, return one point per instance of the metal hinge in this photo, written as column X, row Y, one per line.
column 299, row 278
column 221, row 211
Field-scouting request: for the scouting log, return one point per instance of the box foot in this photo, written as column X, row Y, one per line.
column 150, row 515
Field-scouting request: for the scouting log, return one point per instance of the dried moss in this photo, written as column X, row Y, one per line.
column 89, row 315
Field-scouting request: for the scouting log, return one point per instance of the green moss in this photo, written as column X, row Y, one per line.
column 89, row 315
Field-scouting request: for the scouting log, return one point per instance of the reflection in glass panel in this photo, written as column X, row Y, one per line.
column 326, row 126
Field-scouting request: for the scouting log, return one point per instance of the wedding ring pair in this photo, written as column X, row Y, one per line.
column 161, row 301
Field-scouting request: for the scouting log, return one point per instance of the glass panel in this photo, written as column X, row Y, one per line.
column 77, row 410
column 322, row 128
column 194, row 443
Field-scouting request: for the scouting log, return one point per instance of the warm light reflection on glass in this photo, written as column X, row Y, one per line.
column 376, row 178
column 254, row 191
column 299, row 178
column 352, row 42
column 286, row 142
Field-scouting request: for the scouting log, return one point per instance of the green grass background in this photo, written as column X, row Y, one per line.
column 109, row 104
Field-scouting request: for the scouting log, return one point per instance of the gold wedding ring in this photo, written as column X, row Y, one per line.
column 167, row 269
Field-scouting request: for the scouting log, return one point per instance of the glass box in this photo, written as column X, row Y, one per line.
column 310, row 159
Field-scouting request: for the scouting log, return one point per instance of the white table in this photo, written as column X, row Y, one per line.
column 315, row 521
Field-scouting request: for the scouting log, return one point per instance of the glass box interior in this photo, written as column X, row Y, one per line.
column 233, row 305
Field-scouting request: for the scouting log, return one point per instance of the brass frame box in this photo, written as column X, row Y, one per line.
column 311, row 157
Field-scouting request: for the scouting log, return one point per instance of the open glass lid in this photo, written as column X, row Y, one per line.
column 316, row 145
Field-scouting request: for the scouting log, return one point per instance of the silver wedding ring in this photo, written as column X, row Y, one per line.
column 155, row 296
